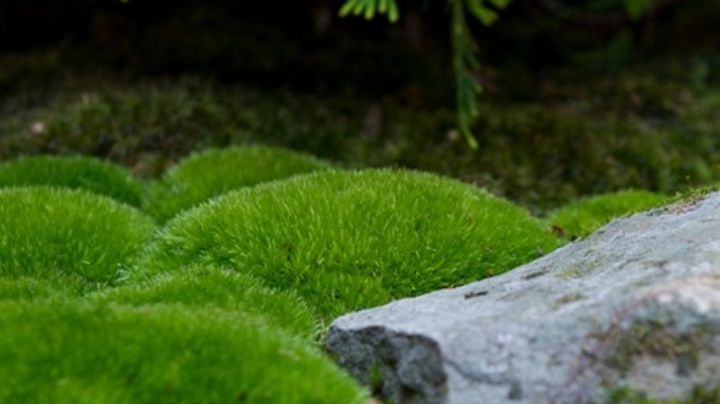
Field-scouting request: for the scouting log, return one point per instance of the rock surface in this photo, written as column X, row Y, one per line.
column 631, row 312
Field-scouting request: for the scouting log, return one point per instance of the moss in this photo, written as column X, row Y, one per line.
column 121, row 122
column 209, row 173
column 699, row 395
column 161, row 354
column 580, row 270
column 628, row 132
column 692, row 195
column 569, row 298
column 626, row 395
column 376, row 382
column 29, row 288
column 652, row 339
column 76, row 172
column 705, row 395
column 583, row 217
column 51, row 233
column 407, row 232
column 208, row 287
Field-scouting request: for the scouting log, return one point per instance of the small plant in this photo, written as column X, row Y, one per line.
column 401, row 232
column 464, row 47
column 580, row 218
column 209, row 287
column 91, row 353
column 76, row 172
column 54, row 233
column 464, row 59
column 209, row 173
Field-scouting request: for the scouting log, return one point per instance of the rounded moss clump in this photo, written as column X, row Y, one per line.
column 203, row 287
column 346, row 240
column 580, row 218
column 82, row 353
column 212, row 172
column 54, row 232
column 76, row 172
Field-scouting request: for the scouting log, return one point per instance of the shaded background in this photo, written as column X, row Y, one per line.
column 305, row 46
column 575, row 103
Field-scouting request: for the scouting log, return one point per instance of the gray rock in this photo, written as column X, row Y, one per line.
column 632, row 311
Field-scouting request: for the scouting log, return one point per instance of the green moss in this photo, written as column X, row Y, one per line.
column 209, row 173
column 580, row 218
column 121, row 122
column 567, row 141
column 690, row 196
column 580, row 270
column 705, row 395
column 376, row 379
column 569, row 298
column 625, row 395
column 76, row 172
column 55, row 232
column 652, row 339
column 161, row 354
column 208, row 287
column 406, row 232
column 699, row 395
column 29, row 288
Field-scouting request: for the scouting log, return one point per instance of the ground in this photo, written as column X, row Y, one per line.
column 649, row 126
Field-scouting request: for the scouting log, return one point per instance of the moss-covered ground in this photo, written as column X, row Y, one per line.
column 206, row 270
column 652, row 127
column 228, row 299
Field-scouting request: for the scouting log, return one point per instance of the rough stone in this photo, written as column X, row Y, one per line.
column 631, row 311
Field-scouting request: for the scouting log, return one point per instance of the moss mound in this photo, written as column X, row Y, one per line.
column 397, row 232
column 209, row 287
column 160, row 354
column 580, row 218
column 212, row 172
column 53, row 233
column 76, row 172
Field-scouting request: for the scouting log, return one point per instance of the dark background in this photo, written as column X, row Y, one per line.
column 577, row 101
column 303, row 45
